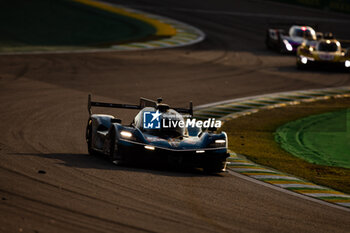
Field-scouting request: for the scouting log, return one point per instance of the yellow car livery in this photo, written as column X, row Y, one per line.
column 324, row 53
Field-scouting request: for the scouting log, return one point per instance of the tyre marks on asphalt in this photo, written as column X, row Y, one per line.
column 232, row 109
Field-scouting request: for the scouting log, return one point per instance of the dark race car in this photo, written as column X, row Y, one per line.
column 288, row 42
column 157, row 133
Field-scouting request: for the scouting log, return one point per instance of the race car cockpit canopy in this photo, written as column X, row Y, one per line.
column 303, row 32
column 161, row 123
column 152, row 115
column 328, row 46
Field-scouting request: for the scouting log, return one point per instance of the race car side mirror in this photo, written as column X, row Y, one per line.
column 116, row 120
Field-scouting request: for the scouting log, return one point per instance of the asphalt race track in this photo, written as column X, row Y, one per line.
column 48, row 182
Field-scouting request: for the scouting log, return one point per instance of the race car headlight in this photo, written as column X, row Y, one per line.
column 150, row 147
column 347, row 63
column 125, row 134
column 220, row 141
column 303, row 60
column 200, row 151
column 289, row 47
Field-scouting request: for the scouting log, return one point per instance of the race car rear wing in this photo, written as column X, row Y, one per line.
column 143, row 103
column 287, row 25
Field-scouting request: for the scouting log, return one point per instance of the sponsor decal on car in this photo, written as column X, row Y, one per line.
column 326, row 57
column 157, row 120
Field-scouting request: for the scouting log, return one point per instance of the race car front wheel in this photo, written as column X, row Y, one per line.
column 300, row 66
column 268, row 42
column 114, row 155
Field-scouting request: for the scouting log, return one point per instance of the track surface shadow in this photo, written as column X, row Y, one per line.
column 101, row 162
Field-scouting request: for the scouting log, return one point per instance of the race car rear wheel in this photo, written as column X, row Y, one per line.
column 268, row 41
column 281, row 47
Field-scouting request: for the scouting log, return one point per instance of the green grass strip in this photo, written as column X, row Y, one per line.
column 64, row 23
column 253, row 136
column 321, row 139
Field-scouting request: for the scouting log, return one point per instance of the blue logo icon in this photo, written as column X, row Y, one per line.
column 151, row 120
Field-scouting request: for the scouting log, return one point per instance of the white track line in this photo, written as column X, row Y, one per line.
column 276, row 177
column 262, row 96
column 297, row 185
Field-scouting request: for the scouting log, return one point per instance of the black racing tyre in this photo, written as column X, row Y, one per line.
column 176, row 162
column 268, row 41
column 112, row 147
column 89, row 137
column 281, row 47
column 114, row 155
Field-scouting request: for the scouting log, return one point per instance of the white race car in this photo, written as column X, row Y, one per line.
column 288, row 42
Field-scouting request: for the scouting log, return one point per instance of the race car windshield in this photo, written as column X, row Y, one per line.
column 167, row 125
column 171, row 124
column 327, row 47
column 308, row 34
